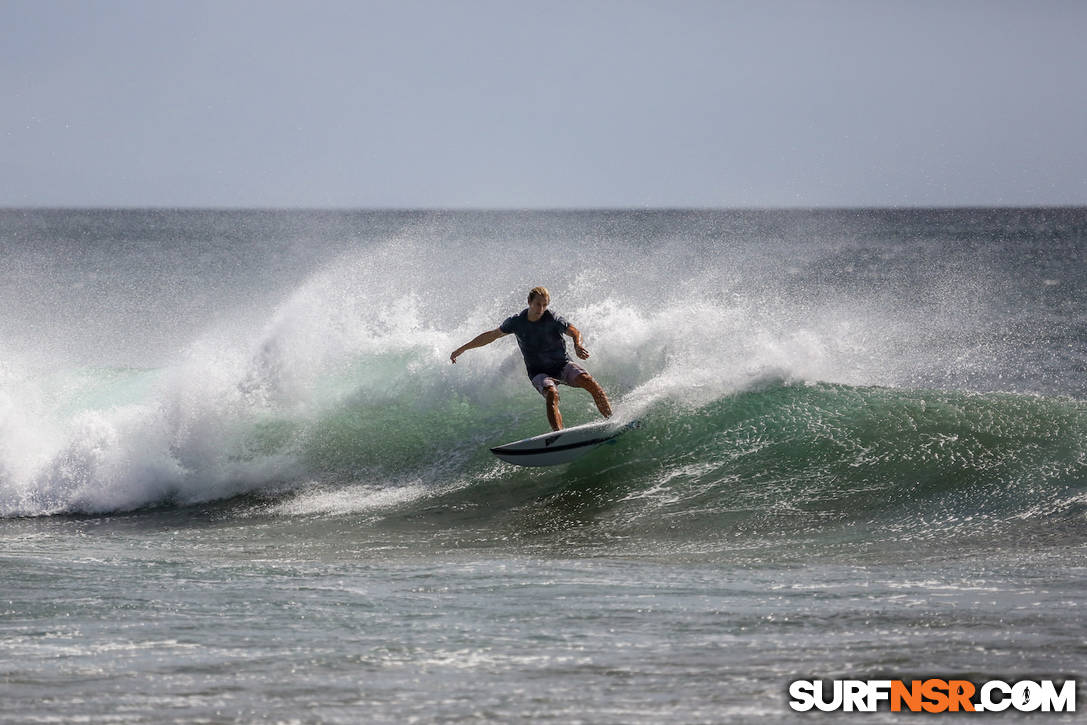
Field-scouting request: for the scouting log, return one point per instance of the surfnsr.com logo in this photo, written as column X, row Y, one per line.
column 932, row 695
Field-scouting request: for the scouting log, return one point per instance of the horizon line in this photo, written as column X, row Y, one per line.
column 517, row 209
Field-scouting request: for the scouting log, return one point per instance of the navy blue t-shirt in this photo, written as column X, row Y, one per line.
column 541, row 342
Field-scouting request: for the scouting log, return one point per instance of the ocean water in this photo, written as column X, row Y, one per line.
column 241, row 482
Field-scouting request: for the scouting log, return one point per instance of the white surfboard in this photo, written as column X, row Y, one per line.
column 562, row 446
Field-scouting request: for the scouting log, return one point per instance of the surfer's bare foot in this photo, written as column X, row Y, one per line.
column 602, row 404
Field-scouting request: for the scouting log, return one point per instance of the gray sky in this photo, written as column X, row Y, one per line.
column 542, row 104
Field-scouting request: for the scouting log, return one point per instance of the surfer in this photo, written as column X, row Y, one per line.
column 539, row 335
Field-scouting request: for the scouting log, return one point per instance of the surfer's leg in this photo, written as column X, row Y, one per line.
column 554, row 417
column 548, row 387
column 586, row 382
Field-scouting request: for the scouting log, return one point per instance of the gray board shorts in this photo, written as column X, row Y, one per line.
column 543, row 381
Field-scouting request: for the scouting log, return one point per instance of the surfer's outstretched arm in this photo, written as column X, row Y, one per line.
column 485, row 338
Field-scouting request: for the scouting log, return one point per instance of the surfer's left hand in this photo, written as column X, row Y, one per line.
column 581, row 352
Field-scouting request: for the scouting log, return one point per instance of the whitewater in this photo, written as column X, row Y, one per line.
column 240, row 480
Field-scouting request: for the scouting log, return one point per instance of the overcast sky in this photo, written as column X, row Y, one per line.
column 542, row 104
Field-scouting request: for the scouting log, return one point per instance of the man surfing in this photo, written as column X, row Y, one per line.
column 539, row 335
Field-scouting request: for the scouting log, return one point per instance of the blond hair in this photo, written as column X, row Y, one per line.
column 539, row 292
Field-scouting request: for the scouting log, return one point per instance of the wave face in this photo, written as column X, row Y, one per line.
column 907, row 373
